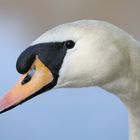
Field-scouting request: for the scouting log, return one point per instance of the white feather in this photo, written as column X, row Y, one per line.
column 105, row 56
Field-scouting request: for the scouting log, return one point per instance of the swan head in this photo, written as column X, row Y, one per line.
column 79, row 54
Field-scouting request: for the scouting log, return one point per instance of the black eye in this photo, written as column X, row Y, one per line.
column 69, row 44
column 29, row 76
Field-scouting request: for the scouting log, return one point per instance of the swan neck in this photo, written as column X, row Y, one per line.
column 133, row 93
column 134, row 119
column 127, row 88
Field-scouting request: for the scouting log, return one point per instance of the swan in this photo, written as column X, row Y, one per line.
column 81, row 54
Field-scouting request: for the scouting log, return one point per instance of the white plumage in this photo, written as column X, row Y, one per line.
column 104, row 56
column 101, row 55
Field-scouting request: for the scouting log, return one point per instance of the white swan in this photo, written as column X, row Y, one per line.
column 81, row 54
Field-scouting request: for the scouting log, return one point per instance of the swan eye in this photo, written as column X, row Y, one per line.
column 29, row 76
column 69, row 44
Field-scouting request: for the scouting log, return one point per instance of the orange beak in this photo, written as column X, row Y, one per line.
column 25, row 88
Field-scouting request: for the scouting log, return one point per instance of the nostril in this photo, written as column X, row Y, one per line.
column 29, row 76
column 26, row 79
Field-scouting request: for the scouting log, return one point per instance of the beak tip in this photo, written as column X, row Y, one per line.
column 3, row 110
column 1, row 106
column 4, row 106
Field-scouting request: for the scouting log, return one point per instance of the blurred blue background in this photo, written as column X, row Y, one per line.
column 63, row 114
